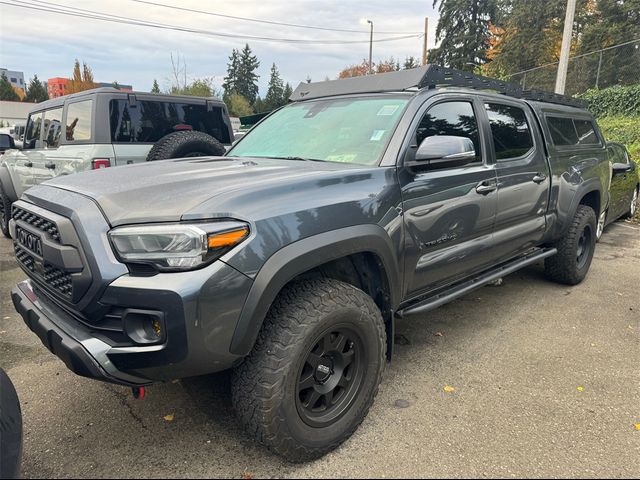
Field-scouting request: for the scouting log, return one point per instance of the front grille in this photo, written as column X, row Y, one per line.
column 37, row 222
column 56, row 278
column 49, row 275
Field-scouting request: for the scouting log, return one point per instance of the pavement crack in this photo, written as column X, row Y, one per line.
column 125, row 403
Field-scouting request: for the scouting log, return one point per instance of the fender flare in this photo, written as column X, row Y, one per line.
column 304, row 255
column 589, row 186
column 7, row 183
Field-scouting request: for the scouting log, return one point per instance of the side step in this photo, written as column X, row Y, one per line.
column 458, row 290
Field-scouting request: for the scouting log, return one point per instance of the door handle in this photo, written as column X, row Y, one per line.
column 28, row 164
column 539, row 178
column 50, row 165
column 485, row 188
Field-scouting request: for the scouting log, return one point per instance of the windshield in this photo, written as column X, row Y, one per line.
column 353, row 130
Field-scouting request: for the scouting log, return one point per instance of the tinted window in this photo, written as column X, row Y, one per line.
column 32, row 135
column 572, row 131
column 5, row 141
column 79, row 121
column 450, row 118
column 52, row 127
column 562, row 131
column 617, row 154
column 149, row 121
column 586, row 132
column 510, row 131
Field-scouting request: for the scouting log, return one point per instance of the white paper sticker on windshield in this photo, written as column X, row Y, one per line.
column 377, row 135
column 387, row 110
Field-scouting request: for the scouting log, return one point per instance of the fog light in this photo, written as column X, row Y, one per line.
column 144, row 326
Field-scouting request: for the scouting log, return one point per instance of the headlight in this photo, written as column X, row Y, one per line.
column 177, row 247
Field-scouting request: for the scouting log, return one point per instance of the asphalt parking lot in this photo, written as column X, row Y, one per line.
column 545, row 382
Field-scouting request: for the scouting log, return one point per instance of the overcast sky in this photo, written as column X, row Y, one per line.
column 46, row 44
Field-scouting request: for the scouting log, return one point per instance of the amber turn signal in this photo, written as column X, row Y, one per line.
column 227, row 239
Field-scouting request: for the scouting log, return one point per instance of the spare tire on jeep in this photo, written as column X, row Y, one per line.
column 185, row 144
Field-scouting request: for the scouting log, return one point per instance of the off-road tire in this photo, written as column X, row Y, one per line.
column 185, row 144
column 564, row 267
column 5, row 213
column 265, row 388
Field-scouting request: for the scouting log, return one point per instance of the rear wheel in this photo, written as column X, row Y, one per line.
column 633, row 207
column 314, row 371
column 5, row 213
column 575, row 250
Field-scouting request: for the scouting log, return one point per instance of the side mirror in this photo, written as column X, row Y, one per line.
column 444, row 151
column 7, row 142
column 622, row 168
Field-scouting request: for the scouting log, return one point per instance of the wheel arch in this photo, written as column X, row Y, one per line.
column 361, row 255
column 7, row 183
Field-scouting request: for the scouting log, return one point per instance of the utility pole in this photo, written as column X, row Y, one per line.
column 424, row 44
column 561, row 79
column 371, row 49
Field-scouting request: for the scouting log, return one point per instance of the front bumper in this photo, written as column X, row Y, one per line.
column 83, row 354
column 200, row 309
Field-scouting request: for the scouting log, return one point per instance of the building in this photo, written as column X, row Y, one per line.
column 16, row 79
column 57, row 87
column 14, row 112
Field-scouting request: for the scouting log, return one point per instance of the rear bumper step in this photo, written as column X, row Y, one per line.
column 458, row 290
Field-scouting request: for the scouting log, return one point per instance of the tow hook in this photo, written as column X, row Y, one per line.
column 138, row 392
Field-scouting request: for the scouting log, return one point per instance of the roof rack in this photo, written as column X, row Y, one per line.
column 429, row 76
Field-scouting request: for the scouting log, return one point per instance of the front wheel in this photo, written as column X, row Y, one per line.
column 575, row 250
column 314, row 371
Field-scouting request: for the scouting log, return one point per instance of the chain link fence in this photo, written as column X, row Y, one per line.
column 617, row 65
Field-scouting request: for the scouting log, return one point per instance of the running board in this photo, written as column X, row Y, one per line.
column 463, row 288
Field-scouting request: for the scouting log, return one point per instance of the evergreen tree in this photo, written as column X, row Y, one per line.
column 463, row 32
column 275, row 91
column 36, row 91
column 247, row 80
column 156, row 87
column 6, row 90
column 288, row 91
column 233, row 67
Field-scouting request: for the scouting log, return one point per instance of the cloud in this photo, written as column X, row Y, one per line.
column 46, row 44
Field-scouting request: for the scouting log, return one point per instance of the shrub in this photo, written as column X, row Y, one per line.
column 625, row 130
column 614, row 101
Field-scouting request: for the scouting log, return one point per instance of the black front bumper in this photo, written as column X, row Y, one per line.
column 81, row 352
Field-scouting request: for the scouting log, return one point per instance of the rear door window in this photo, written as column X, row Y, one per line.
column 148, row 121
column 79, row 124
column 510, row 131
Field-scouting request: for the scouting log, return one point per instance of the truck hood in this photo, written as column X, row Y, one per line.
column 196, row 188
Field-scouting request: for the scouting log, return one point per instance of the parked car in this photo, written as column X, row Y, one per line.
column 105, row 127
column 289, row 259
column 6, row 143
column 625, row 186
column 10, row 429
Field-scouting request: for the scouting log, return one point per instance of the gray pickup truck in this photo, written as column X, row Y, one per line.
column 289, row 259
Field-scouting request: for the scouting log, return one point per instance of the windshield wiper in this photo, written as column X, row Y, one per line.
column 304, row 159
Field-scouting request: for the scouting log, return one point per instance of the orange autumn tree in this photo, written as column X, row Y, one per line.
column 82, row 79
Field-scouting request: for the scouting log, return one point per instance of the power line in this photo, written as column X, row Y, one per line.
column 63, row 10
column 270, row 22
